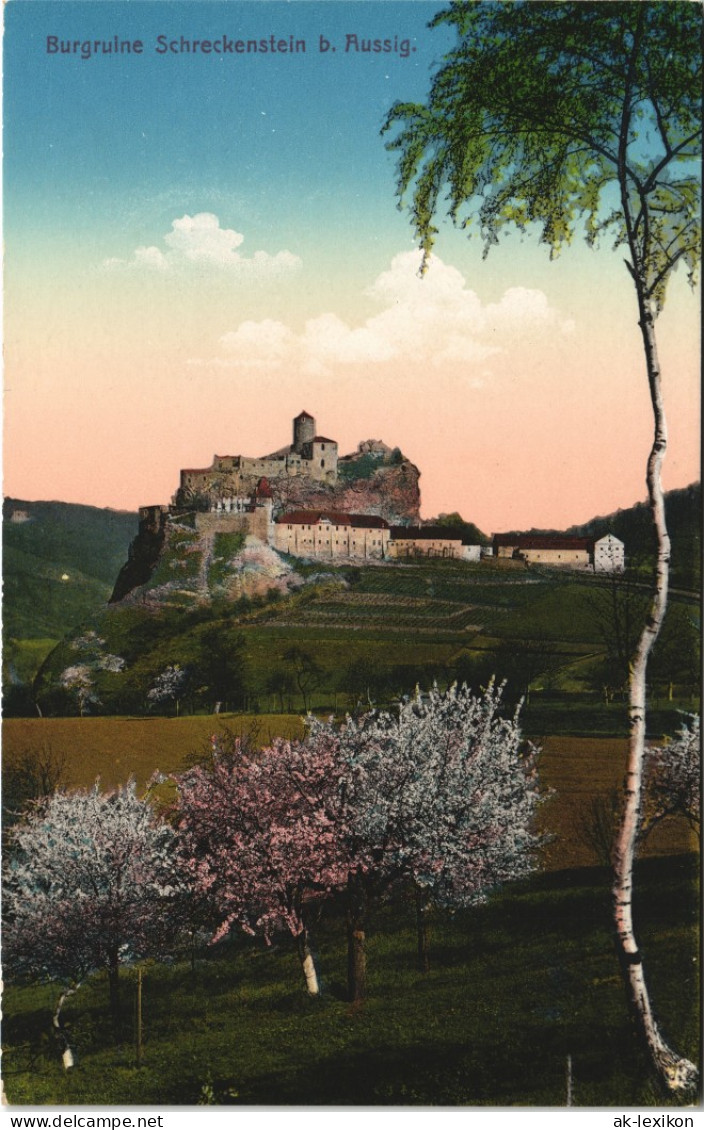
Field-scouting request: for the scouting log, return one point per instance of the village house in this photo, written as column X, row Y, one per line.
column 431, row 541
column 598, row 555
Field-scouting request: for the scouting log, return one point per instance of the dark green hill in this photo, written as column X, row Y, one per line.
column 259, row 638
column 69, row 535
column 634, row 527
column 38, row 604
column 60, row 561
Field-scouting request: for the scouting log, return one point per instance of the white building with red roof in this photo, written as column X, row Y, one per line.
column 332, row 534
column 600, row 555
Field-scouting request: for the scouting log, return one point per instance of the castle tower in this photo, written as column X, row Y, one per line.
column 303, row 431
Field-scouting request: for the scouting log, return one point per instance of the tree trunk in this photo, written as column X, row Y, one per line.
column 139, row 1019
column 356, row 939
column 67, row 1056
column 308, row 964
column 675, row 1071
column 114, row 988
column 423, row 931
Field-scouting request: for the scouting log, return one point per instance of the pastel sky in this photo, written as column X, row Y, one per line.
column 199, row 246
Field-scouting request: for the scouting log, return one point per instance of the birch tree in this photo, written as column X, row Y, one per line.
column 89, row 884
column 554, row 119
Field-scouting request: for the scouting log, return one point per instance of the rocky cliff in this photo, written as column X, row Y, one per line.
column 143, row 555
column 376, row 479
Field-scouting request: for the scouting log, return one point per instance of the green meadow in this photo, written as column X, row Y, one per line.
column 515, row 988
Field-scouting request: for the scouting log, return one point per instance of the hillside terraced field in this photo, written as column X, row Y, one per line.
column 574, row 771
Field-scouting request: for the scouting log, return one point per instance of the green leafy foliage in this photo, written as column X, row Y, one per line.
column 563, row 118
column 361, row 467
column 225, row 547
column 471, row 533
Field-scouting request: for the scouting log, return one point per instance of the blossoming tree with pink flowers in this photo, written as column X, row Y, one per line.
column 263, row 836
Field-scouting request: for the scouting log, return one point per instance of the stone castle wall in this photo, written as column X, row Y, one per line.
column 256, row 522
column 311, row 456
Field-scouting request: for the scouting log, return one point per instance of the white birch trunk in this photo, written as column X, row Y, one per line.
column 677, row 1073
column 67, row 1056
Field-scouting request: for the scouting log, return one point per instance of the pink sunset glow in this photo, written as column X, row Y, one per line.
column 519, row 412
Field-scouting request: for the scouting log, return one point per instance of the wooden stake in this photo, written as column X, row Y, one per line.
column 139, row 1017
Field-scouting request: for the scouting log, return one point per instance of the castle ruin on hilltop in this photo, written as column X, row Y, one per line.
column 306, row 501
column 231, row 480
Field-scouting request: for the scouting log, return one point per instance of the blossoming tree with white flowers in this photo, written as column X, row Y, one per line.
column 673, row 779
column 442, row 793
column 89, row 883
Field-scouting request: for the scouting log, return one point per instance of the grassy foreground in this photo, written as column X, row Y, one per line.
column 515, row 987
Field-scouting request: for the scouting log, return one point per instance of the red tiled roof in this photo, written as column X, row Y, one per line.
column 538, row 541
column 263, row 489
column 304, row 416
column 425, row 533
column 323, row 439
column 335, row 517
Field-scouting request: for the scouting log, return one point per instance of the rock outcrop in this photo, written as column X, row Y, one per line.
column 375, row 480
column 143, row 555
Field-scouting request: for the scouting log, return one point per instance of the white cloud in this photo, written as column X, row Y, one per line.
column 200, row 240
column 257, row 343
column 201, row 237
column 328, row 338
column 149, row 257
column 521, row 308
column 432, row 320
